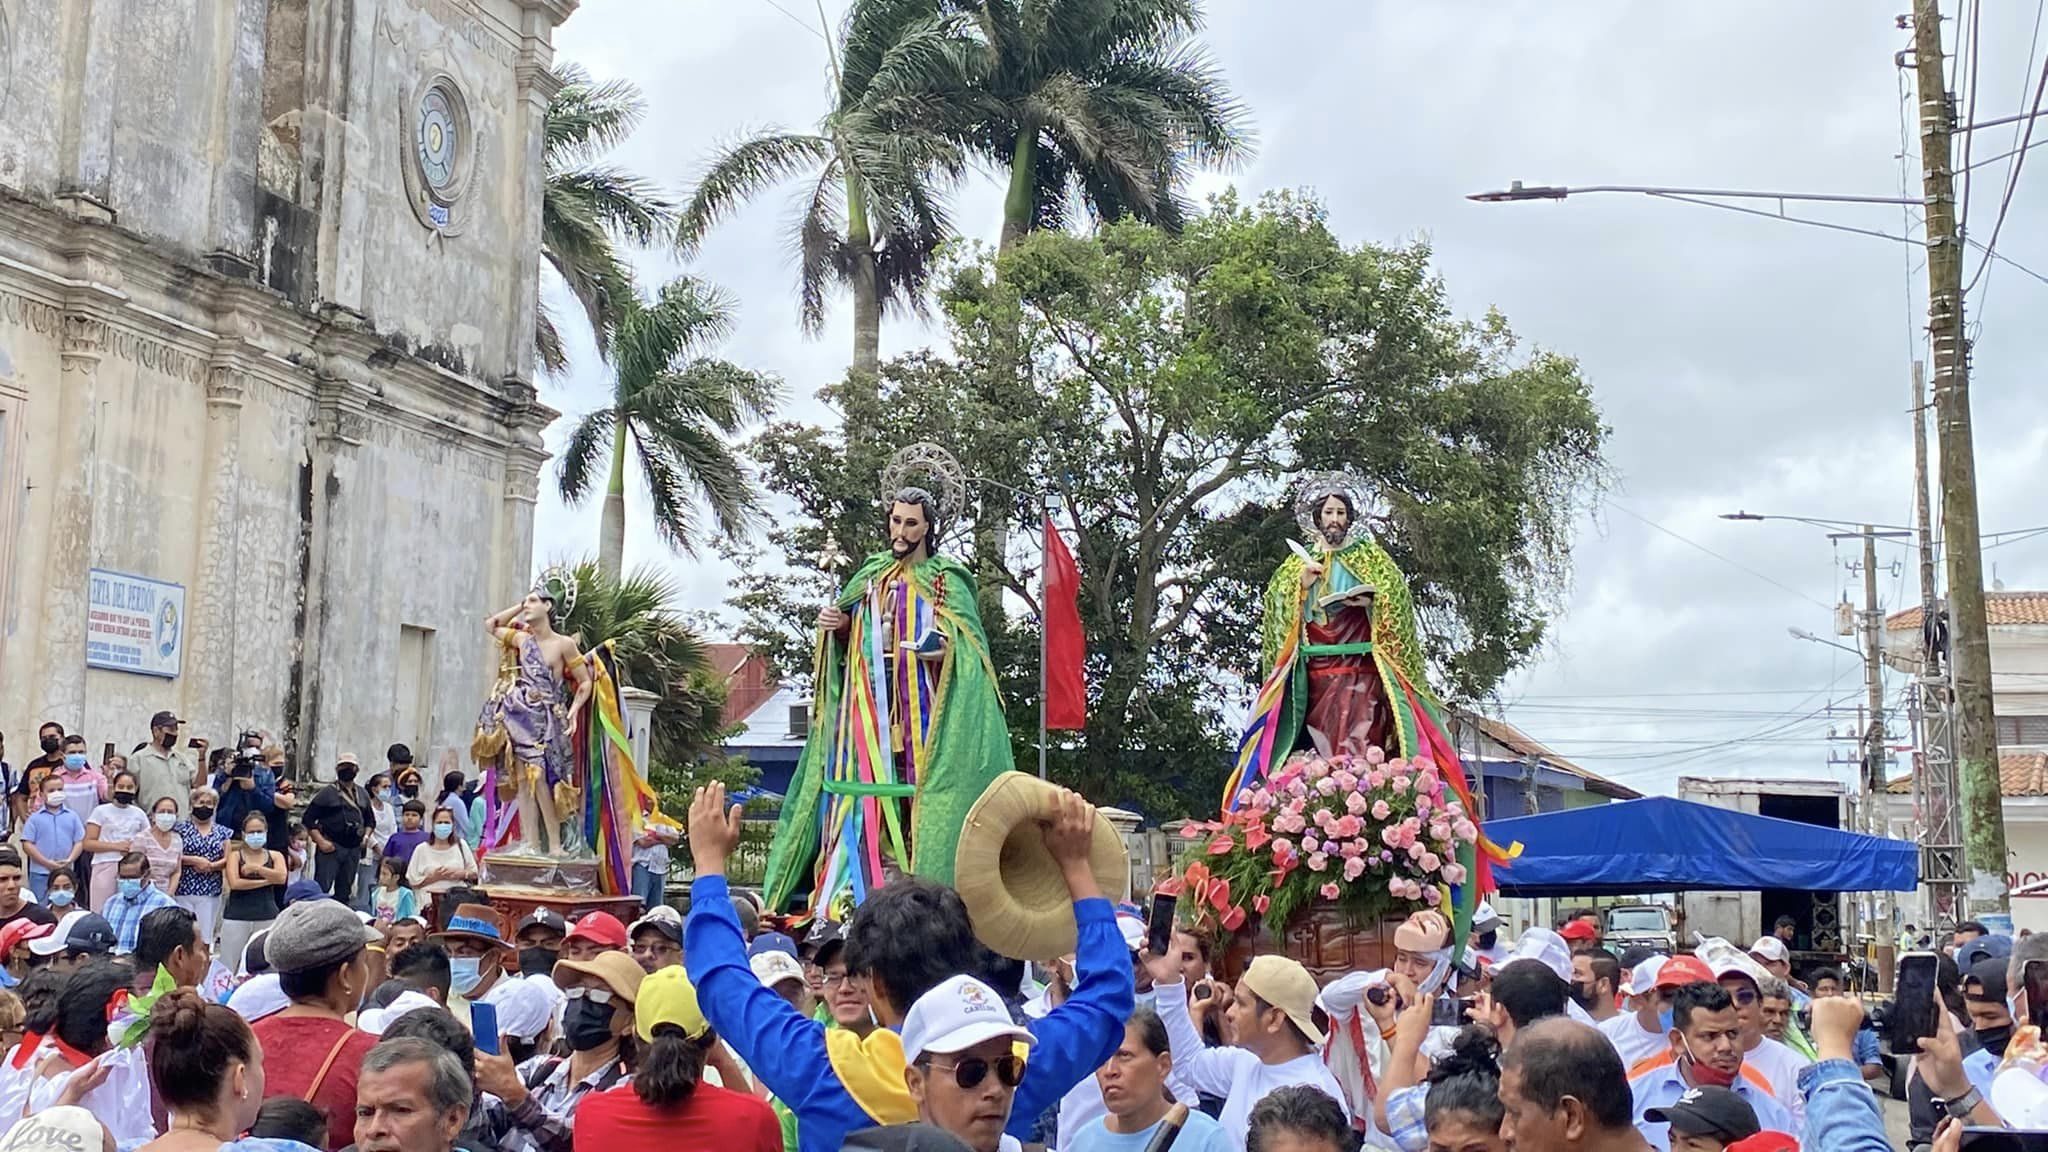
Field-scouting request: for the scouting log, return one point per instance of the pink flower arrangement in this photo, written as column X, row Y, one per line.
column 1378, row 835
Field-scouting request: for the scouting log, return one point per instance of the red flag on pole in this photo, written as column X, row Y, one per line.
column 1066, row 696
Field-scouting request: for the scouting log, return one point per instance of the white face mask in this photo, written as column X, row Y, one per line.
column 166, row 820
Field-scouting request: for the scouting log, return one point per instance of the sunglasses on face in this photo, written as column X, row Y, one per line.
column 1743, row 996
column 969, row 1073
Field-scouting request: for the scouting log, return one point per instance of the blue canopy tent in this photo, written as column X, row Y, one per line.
column 1661, row 844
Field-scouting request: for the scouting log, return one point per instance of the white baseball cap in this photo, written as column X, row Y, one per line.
column 1771, row 949
column 54, row 943
column 1643, row 977
column 772, row 968
column 958, row 1014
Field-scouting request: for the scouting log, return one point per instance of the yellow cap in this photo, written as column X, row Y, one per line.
column 668, row 997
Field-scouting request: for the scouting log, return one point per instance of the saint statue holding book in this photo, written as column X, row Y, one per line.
column 1343, row 668
column 907, row 728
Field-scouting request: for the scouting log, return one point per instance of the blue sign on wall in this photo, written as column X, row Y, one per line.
column 134, row 624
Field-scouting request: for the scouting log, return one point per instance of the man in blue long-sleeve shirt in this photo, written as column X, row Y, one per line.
column 907, row 938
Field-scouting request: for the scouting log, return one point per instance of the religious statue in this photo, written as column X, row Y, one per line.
column 1342, row 663
column 907, row 728
column 559, row 778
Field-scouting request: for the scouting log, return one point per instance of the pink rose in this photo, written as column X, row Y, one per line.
column 1439, row 831
column 1375, row 780
column 1397, row 887
column 1318, row 862
column 1326, row 786
column 1466, row 831
column 1421, row 805
column 1354, row 803
column 1349, row 849
column 1330, row 890
column 1391, row 835
column 1429, row 861
column 1309, row 843
column 1374, row 755
column 1297, row 787
column 1347, row 780
column 1454, row 873
column 1317, row 769
column 1417, row 850
column 1380, row 810
column 1283, row 847
column 1325, row 818
column 1398, row 764
column 1399, row 784
column 1353, row 869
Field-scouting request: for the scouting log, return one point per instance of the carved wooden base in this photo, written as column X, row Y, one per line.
column 1324, row 938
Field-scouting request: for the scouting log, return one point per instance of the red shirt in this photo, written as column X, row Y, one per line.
column 711, row 1119
column 294, row 1048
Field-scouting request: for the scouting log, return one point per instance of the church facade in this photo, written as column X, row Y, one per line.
column 269, row 439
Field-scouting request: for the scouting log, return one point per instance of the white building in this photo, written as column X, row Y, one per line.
column 269, row 442
column 2019, row 684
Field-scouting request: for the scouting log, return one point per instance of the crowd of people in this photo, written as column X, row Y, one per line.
column 192, row 956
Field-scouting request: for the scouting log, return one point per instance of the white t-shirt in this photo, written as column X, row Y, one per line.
column 1781, row 1066
column 1632, row 1040
column 119, row 823
column 1235, row 1074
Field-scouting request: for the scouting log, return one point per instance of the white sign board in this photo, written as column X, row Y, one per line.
column 134, row 624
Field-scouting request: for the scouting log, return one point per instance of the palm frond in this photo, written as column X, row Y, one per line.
column 823, row 260
column 547, row 340
column 742, row 171
column 687, row 315
column 588, row 445
column 622, row 204
column 586, row 120
column 687, row 466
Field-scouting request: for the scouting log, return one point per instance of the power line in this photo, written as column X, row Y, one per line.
column 1625, row 510
column 795, row 19
column 2012, row 178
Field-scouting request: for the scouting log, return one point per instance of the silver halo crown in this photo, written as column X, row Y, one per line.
column 930, row 471
column 557, row 583
column 1315, row 487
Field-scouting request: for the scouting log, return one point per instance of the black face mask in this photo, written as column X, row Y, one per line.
column 346, row 773
column 1994, row 1040
column 410, row 791
column 1584, row 995
column 537, row 961
column 586, row 1024
column 124, row 798
column 202, row 813
column 50, row 743
column 1487, row 940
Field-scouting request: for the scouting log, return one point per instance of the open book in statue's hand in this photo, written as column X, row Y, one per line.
column 930, row 646
column 1357, row 596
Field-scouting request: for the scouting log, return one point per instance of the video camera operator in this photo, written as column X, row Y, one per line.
column 247, row 785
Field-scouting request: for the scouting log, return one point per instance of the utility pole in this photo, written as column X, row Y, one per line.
column 1976, row 738
column 1934, row 781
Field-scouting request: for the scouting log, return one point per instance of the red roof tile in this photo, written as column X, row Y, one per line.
column 1999, row 608
column 2020, row 773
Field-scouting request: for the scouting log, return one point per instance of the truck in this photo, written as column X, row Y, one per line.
column 1649, row 925
column 1742, row 917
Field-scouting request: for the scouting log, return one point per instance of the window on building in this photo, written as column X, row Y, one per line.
column 2023, row 731
column 413, row 706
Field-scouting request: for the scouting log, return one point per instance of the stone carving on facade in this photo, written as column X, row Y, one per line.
column 84, row 339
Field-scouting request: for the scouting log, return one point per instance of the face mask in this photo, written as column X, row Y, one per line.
column 123, row 799
column 586, row 1024
column 410, row 791
column 203, row 813
column 167, row 820
column 51, row 743
column 255, row 839
column 345, row 773
column 443, row 830
column 74, row 759
column 130, row 888
column 59, row 897
column 1583, row 996
column 1994, row 1040
column 53, row 800
column 464, row 974
column 1664, row 1021
column 536, row 961
column 1704, row 1076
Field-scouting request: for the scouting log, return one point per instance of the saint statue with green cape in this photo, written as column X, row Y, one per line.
column 907, row 727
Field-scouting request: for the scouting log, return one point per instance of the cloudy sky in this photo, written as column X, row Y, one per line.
column 1741, row 363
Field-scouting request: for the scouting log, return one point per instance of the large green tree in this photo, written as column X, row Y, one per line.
column 588, row 207
column 1103, row 102
column 1178, row 384
column 674, row 410
column 872, row 213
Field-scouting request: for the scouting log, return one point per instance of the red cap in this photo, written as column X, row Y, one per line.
column 1683, row 970
column 1765, row 1141
column 599, row 928
column 21, row 930
column 1578, row 930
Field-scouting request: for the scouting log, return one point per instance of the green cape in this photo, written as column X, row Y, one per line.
column 970, row 741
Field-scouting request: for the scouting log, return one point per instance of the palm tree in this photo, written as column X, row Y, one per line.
column 1108, row 99
column 675, row 410
column 656, row 650
column 873, row 214
column 587, row 207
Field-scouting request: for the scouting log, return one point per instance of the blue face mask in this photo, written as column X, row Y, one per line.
column 255, row 839
column 74, row 759
column 130, row 888
column 464, row 973
column 1664, row 1021
column 59, row 897
column 443, row 830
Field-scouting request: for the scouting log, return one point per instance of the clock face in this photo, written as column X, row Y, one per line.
column 438, row 141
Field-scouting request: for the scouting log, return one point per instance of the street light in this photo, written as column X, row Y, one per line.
column 1803, row 634
column 1516, row 190
column 1817, row 522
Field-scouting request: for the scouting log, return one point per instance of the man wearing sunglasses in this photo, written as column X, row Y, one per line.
column 962, row 1061
column 1778, row 1063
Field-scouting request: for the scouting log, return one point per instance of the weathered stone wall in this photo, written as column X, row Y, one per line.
column 248, row 346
